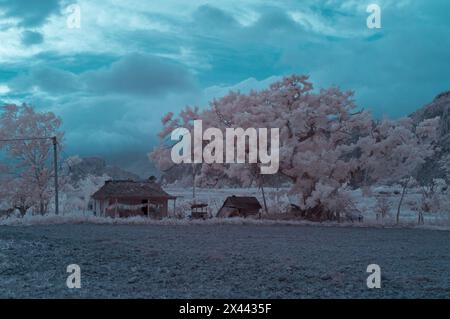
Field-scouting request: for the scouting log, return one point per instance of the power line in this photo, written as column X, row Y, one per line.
column 22, row 139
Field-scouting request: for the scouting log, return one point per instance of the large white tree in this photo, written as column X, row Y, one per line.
column 325, row 141
column 29, row 161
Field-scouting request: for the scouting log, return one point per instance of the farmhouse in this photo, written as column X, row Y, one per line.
column 239, row 206
column 125, row 198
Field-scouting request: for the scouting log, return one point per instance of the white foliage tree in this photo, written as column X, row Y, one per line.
column 324, row 141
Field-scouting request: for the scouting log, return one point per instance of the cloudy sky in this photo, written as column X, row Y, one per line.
column 131, row 61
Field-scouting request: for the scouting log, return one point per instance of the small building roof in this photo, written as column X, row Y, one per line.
column 242, row 202
column 131, row 189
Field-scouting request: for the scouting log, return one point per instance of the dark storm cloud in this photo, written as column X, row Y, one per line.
column 114, row 125
column 133, row 75
column 51, row 80
column 32, row 38
column 31, row 13
column 138, row 74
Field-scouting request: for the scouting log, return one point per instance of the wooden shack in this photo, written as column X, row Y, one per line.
column 239, row 206
column 125, row 198
column 199, row 211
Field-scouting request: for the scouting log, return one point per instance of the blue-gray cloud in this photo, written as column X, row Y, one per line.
column 139, row 74
column 47, row 79
column 211, row 17
column 133, row 75
column 113, row 93
column 30, row 38
column 30, row 13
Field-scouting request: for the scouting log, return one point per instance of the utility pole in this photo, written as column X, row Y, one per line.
column 193, row 184
column 55, row 165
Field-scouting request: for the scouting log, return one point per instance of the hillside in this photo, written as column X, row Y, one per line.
column 97, row 166
column 440, row 106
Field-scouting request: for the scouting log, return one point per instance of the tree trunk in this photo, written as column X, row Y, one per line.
column 43, row 206
column 22, row 210
column 421, row 220
column 405, row 186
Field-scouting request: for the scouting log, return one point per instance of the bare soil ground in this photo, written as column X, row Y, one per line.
column 222, row 261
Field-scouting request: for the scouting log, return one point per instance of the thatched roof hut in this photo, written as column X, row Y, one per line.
column 239, row 206
column 123, row 198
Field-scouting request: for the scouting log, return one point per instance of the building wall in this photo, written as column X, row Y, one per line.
column 226, row 212
column 152, row 208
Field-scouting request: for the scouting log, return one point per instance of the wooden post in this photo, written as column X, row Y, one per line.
column 263, row 194
column 174, row 207
column 55, row 165
column 193, row 184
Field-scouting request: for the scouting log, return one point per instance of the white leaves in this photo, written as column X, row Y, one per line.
column 323, row 141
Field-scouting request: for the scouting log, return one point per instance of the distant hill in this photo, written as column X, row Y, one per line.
column 440, row 106
column 97, row 166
